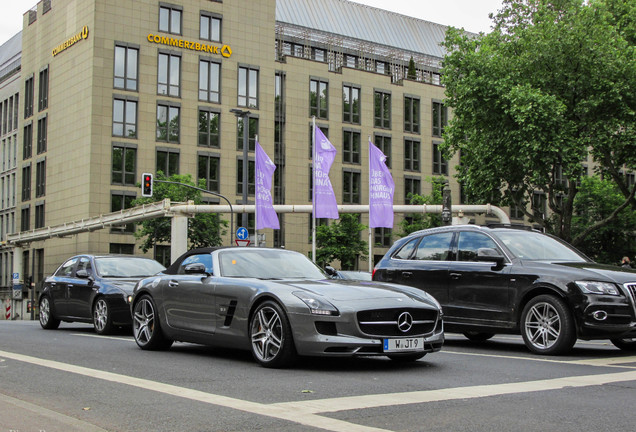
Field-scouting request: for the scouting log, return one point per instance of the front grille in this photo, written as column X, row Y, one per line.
column 631, row 291
column 384, row 322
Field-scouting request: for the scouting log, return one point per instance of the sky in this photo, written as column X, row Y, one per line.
column 472, row 15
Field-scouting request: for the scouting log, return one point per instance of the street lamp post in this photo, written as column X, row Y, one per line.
column 244, row 114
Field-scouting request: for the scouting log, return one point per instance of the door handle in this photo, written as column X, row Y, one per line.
column 455, row 275
column 173, row 284
column 407, row 275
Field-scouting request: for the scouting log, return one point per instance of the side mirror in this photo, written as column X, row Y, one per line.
column 331, row 271
column 491, row 255
column 195, row 268
column 83, row 274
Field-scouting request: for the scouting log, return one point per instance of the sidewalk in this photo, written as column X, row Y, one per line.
column 19, row 416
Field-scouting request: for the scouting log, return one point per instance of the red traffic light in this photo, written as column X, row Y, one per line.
column 146, row 185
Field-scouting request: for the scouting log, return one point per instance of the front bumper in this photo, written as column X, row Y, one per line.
column 605, row 317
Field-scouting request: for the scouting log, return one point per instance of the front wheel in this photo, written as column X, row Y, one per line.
column 547, row 326
column 102, row 318
column 626, row 344
column 47, row 319
column 146, row 326
column 271, row 336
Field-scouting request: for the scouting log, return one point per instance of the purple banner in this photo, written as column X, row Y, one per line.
column 381, row 189
column 266, row 217
column 325, row 205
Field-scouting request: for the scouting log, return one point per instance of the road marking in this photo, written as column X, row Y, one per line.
column 306, row 412
column 603, row 362
column 103, row 337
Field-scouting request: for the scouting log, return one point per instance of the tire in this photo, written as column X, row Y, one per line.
column 626, row 344
column 102, row 318
column 547, row 326
column 271, row 336
column 47, row 317
column 146, row 326
column 406, row 358
column 474, row 336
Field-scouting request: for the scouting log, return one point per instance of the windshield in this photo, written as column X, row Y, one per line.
column 267, row 264
column 127, row 267
column 535, row 246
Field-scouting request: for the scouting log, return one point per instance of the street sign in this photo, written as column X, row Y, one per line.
column 242, row 233
column 243, row 243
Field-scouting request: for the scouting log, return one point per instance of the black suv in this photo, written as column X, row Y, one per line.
column 510, row 280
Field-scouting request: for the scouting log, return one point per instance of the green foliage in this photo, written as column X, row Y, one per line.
column 412, row 73
column 204, row 229
column 419, row 221
column 596, row 200
column 341, row 241
column 553, row 82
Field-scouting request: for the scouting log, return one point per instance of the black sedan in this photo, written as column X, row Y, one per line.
column 279, row 305
column 93, row 289
column 503, row 279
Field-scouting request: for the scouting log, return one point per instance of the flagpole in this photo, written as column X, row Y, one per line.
column 313, row 190
column 370, row 235
column 255, row 192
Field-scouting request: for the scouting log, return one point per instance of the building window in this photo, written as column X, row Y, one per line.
column 380, row 67
column 351, row 104
column 516, row 212
column 124, row 165
column 382, row 110
column 248, row 87
column 318, row 54
column 411, row 115
column 440, row 118
column 39, row 215
column 26, row 183
column 121, row 248
column 40, row 179
column 168, row 74
column 351, row 147
column 28, row 97
column 318, row 102
column 121, row 201
column 411, row 155
column 350, row 61
column 251, row 187
column 210, row 27
column 167, row 162
column 539, row 205
column 351, row 187
column 170, row 20
column 383, row 142
column 125, row 118
column 43, row 97
column 382, row 237
column 25, row 219
column 168, row 123
column 412, row 186
column 27, row 141
column 162, row 255
column 210, row 169
column 126, row 66
column 42, row 127
column 252, row 132
column 209, row 122
column 209, row 81
column 440, row 165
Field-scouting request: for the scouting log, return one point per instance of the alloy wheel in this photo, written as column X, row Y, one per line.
column 143, row 321
column 542, row 325
column 267, row 334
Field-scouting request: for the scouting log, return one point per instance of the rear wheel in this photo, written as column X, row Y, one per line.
column 478, row 336
column 102, row 318
column 47, row 319
column 626, row 344
column 146, row 326
column 547, row 326
column 271, row 336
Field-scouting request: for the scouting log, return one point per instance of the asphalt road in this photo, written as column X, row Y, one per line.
column 73, row 380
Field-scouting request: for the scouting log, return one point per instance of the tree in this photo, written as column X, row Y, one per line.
column 596, row 200
column 419, row 221
column 412, row 72
column 204, row 229
column 341, row 241
column 551, row 84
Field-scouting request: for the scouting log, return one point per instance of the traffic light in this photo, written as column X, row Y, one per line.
column 146, row 185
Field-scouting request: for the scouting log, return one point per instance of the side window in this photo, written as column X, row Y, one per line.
column 206, row 259
column 406, row 250
column 470, row 242
column 67, row 268
column 435, row 247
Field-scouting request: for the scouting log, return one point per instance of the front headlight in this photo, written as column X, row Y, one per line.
column 593, row 287
column 317, row 305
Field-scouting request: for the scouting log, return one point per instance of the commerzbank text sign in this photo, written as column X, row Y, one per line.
column 225, row 50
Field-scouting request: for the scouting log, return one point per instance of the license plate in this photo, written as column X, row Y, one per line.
column 403, row 344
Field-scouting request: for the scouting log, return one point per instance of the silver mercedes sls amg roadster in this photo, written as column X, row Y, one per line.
column 280, row 305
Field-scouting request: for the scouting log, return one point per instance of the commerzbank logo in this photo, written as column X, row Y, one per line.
column 80, row 36
column 224, row 50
